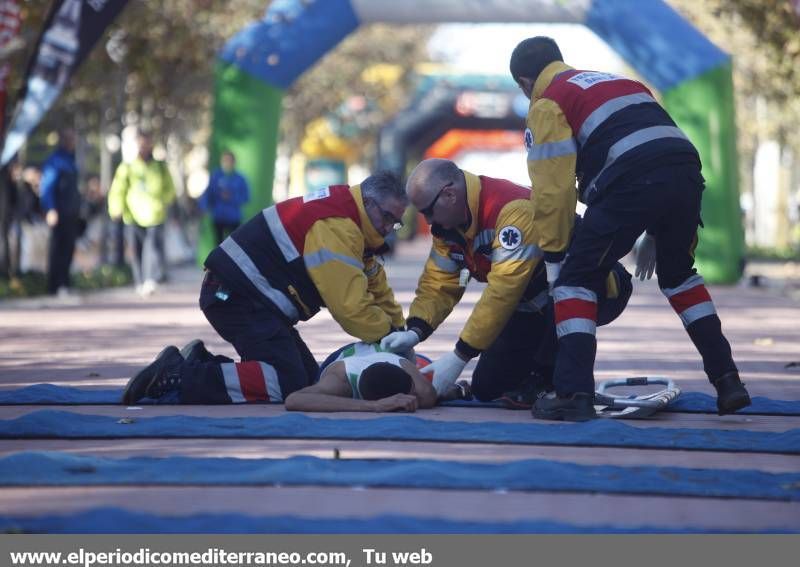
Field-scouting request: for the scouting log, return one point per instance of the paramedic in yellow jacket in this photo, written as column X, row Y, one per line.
column 636, row 171
column 483, row 228
column 140, row 195
column 280, row 267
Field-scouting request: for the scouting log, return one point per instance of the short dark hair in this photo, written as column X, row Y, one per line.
column 383, row 185
column 383, row 379
column 532, row 55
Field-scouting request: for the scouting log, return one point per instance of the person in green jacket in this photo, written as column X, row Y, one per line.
column 141, row 194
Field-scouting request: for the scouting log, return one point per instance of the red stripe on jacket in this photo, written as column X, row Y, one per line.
column 297, row 216
column 578, row 103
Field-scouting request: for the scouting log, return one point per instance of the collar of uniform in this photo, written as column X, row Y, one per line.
column 473, row 198
column 371, row 236
column 546, row 77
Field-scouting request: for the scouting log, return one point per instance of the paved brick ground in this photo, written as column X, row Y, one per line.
column 99, row 340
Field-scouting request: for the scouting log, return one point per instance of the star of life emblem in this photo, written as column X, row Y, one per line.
column 510, row 237
column 528, row 139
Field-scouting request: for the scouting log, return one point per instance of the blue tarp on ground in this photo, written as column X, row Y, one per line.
column 61, row 469
column 51, row 394
column 118, row 521
column 52, row 424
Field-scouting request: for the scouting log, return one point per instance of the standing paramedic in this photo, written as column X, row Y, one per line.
column 279, row 268
column 636, row 171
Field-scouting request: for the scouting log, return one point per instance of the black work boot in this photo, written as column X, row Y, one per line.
column 140, row 385
column 461, row 390
column 731, row 393
column 195, row 351
column 533, row 388
column 578, row 407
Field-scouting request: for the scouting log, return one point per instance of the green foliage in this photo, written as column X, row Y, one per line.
column 782, row 254
column 104, row 276
column 32, row 284
column 763, row 37
column 162, row 72
column 344, row 71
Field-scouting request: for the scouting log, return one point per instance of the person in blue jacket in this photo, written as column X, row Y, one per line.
column 61, row 204
column 224, row 197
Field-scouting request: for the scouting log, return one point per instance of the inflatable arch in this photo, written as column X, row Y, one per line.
column 444, row 103
column 693, row 76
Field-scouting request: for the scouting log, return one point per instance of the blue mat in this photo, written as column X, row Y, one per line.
column 51, row 394
column 60, row 469
column 119, row 521
column 53, row 424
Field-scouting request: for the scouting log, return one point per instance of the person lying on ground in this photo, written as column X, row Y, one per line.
column 359, row 376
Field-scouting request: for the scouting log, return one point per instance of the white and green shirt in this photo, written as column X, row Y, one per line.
column 359, row 356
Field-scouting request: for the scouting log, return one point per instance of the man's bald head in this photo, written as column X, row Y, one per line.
column 437, row 189
column 428, row 178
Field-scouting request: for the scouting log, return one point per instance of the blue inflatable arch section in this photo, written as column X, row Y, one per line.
column 693, row 76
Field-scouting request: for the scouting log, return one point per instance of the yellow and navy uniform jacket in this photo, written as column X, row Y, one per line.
column 498, row 248
column 141, row 192
column 311, row 252
column 594, row 126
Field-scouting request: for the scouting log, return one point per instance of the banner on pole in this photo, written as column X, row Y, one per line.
column 9, row 41
column 70, row 31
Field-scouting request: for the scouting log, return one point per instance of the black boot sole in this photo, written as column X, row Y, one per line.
column 734, row 404
column 136, row 388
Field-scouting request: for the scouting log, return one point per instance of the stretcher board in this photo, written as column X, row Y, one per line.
column 634, row 407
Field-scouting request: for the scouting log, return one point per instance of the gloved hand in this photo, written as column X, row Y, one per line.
column 400, row 341
column 645, row 257
column 553, row 269
column 445, row 371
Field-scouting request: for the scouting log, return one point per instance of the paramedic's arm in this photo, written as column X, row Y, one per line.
column 551, row 166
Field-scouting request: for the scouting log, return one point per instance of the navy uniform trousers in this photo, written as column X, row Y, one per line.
column 665, row 201
column 275, row 361
column 527, row 344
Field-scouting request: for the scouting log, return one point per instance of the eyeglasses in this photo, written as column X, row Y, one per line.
column 387, row 217
column 428, row 211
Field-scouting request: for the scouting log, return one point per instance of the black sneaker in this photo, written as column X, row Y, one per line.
column 464, row 390
column 139, row 386
column 461, row 390
column 196, row 351
column 731, row 393
column 578, row 407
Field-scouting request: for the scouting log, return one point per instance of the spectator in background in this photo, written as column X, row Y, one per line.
column 94, row 217
column 224, row 197
column 61, row 204
column 8, row 206
column 30, row 205
column 140, row 194
column 18, row 206
column 30, row 233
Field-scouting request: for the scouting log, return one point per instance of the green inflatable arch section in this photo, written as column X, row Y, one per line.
column 694, row 78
